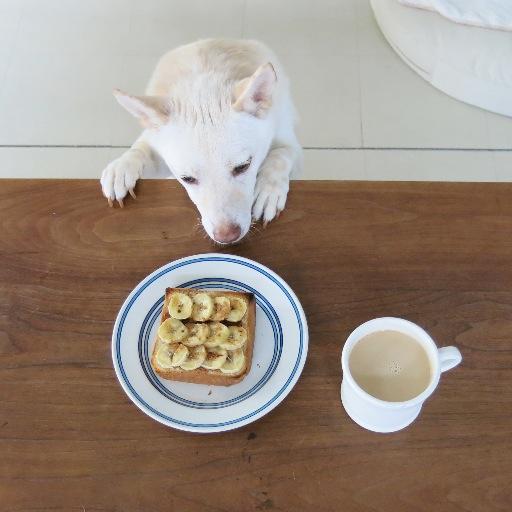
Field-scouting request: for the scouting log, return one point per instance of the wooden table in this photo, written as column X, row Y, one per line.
column 71, row 440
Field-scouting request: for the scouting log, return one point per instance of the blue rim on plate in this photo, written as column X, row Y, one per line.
column 153, row 316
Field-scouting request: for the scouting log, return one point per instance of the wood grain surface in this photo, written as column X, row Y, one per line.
column 71, row 440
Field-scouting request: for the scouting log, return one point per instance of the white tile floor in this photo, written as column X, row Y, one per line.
column 364, row 114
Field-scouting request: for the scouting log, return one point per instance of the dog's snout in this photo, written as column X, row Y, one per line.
column 227, row 233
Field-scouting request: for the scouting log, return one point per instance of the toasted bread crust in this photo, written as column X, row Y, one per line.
column 202, row 375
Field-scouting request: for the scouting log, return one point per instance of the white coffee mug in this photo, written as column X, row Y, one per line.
column 379, row 415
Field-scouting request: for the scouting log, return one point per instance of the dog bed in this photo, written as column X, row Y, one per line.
column 452, row 45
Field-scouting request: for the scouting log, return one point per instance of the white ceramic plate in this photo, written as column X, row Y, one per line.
column 280, row 347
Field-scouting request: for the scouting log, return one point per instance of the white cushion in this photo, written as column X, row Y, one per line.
column 481, row 13
column 469, row 63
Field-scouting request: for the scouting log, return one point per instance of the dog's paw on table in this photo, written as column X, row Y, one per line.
column 269, row 199
column 119, row 178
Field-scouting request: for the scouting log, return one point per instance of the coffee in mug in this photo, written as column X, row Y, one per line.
column 390, row 365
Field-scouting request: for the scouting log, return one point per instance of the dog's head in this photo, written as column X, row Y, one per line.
column 213, row 134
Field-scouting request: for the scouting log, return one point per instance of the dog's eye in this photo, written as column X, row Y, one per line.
column 240, row 169
column 189, row 179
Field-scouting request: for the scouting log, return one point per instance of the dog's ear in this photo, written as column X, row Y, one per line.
column 254, row 94
column 151, row 111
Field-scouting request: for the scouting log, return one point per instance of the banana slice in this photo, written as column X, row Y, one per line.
column 196, row 357
column 180, row 306
column 219, row 333
column 238, row 309
column 215, row 358
column 180, row 355
column 197, row 334
column 234, row 363
column 172, row 330
column 164, row 355
column 221, row 308
column 236, row 339
column 202, row 307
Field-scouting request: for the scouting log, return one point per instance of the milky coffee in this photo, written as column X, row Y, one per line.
column 390, row 365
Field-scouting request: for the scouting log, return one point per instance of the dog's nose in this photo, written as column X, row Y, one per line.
column 227, row 233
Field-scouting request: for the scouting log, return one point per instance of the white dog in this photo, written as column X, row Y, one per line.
column 220, row 115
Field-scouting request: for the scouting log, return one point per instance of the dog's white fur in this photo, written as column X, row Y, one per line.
column 210, row 107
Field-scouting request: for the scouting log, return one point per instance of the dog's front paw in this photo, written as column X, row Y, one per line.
column 269, row 198
column 119, row 178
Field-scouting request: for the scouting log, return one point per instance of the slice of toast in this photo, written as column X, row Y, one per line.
column 202, row 375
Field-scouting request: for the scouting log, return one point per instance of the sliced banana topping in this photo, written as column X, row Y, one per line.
column 234, row 362
column 195, row 344
column 164, row 355
column 180, row 306
column 236, row 339
column 196, row 357
column 197, row 334
column 238, row 309
column 172, row 330
column 215, row 358
column 180, row 355
column 219, row 333
column 202, row 307
column 221, row 308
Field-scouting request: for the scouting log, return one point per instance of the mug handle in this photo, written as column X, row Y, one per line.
column 449, row 357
